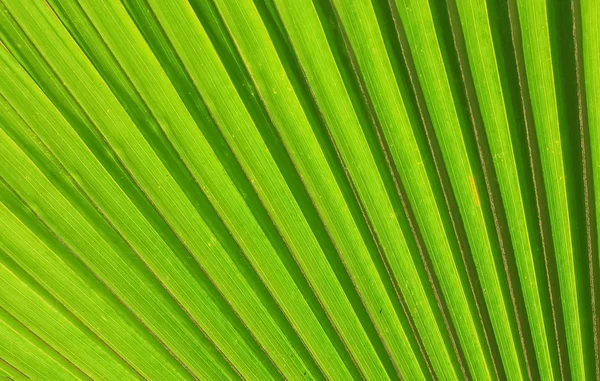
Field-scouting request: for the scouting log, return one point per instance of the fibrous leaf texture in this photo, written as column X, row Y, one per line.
column 299, row 189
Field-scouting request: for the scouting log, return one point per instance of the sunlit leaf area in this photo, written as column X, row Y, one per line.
column 299, row 190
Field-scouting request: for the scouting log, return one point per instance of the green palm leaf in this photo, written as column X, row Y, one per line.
column 307, row 189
